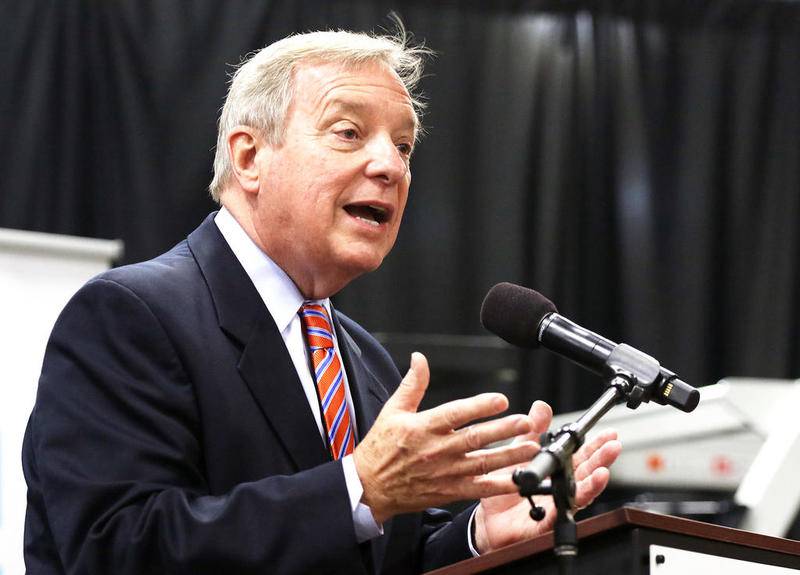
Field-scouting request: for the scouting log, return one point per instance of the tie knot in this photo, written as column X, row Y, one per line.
column 317, row 325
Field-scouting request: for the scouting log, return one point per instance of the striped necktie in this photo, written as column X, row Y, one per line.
column 329, row 377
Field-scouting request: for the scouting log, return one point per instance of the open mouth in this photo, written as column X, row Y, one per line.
column 370, row 214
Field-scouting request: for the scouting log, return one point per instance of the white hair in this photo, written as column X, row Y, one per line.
column 261, row 89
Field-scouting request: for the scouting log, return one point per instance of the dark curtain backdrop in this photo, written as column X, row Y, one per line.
column 637, row 162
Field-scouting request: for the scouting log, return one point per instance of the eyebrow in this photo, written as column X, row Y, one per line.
column 360, row 108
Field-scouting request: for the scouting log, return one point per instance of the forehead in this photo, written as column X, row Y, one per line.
column 372, row 87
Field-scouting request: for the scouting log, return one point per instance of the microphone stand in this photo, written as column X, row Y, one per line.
column 629, row 375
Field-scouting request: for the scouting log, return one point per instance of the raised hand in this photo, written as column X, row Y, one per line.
column 411, row 460
column 503, row 519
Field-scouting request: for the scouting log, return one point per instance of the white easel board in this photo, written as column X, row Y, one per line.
column 38, row 274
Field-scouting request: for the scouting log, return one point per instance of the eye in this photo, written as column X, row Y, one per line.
column 348, row 134
column 405, row 149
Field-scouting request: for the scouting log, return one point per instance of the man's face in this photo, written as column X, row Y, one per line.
column 331, row 196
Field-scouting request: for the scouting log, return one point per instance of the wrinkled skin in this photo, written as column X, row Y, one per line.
column 411, row 460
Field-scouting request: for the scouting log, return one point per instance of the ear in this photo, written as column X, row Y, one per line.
column 245, row 149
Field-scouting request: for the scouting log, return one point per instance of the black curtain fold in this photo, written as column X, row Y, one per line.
column 637, row 162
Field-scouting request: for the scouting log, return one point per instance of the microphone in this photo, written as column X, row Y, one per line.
column 525, row 318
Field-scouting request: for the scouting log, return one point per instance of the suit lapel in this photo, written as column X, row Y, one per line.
column 264, row 364
column 271, row 376
column 367, row 392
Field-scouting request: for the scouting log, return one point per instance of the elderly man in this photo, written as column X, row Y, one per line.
column 209, row 411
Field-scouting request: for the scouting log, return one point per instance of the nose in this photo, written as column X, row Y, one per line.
column 385, row 162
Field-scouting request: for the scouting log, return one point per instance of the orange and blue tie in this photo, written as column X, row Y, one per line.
column 329, row 376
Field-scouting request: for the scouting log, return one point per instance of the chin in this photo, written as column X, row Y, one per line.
column 360, row 263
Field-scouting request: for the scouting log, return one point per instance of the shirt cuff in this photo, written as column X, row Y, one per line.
column 471, row 533
column 365, row 525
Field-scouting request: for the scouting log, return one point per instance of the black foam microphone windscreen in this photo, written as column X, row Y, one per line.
column 514, row 312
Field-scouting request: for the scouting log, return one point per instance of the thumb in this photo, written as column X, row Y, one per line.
column 409, row 394
column 541, row 415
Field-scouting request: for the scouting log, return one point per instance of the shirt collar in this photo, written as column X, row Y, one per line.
column 276, row 288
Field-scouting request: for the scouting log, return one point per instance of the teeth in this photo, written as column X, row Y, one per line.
column 370, row 222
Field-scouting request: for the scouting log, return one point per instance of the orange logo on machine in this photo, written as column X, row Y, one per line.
column 721, row 465
column 655, row 463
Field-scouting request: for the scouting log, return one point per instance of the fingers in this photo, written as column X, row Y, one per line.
column 489, row 485
column 591, row 466
column 455, row 414
column 602, row 451
column 481, row 434
column 412, row 389
column 596, row 443
column 591, row 486
column 508, row 456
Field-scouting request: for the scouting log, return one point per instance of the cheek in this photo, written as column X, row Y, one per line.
column 326, row 183
column 275, row 222
column 303, row 193
column 320, row 207
column 402, row 200
column 391, row 238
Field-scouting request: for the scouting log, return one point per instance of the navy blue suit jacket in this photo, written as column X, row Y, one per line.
column 171, row 435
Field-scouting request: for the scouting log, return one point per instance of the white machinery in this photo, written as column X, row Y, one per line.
column 743, row 438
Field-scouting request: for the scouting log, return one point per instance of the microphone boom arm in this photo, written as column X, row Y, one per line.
column 632, row 377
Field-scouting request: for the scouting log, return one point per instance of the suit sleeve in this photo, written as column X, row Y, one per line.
column 445, row 538
column 115, row 450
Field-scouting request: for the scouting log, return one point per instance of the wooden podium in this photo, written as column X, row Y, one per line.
column 629, row 541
